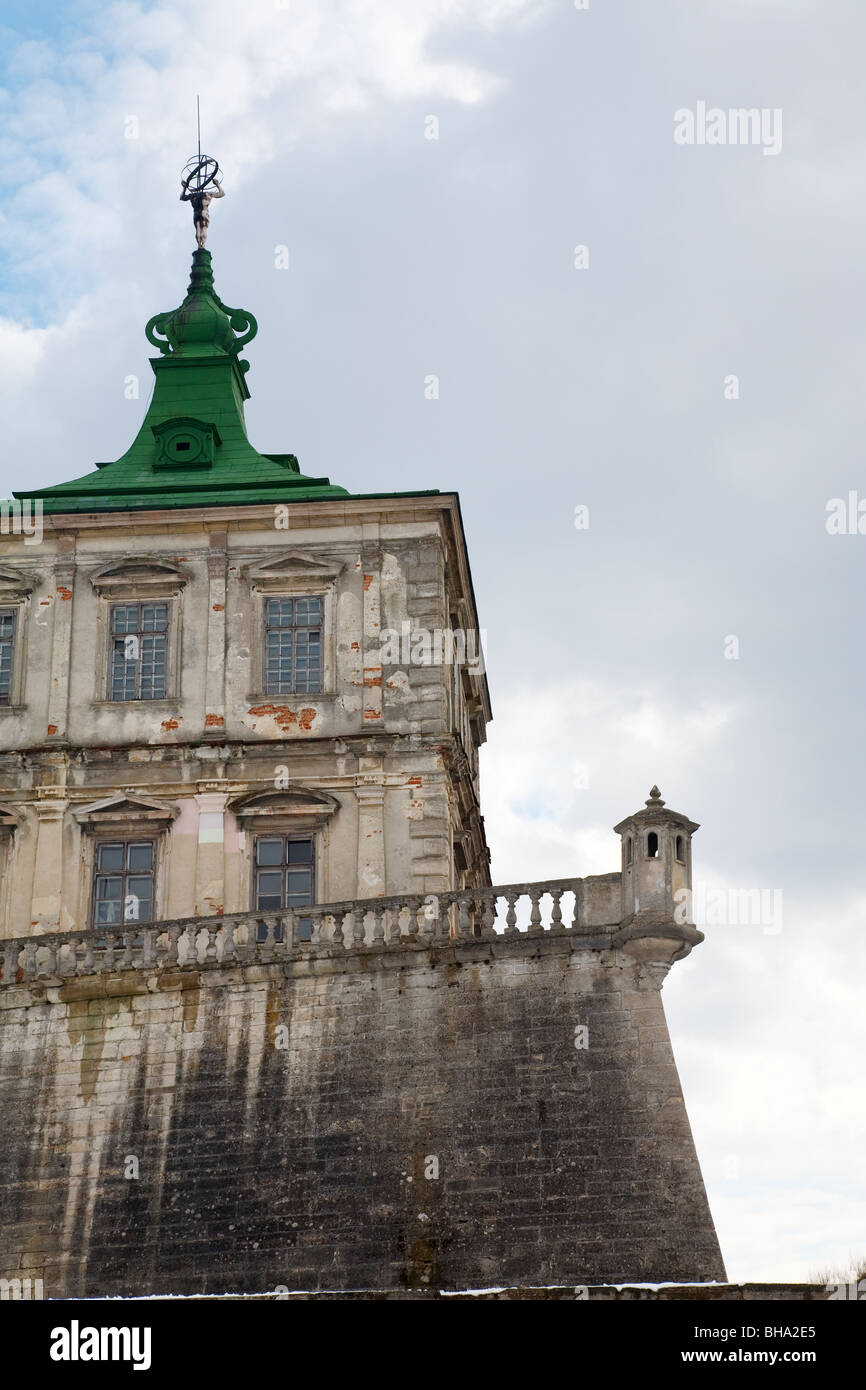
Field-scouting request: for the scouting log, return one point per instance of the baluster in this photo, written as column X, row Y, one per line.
column 173, row 935
column 30, row 961
column 315, row 930
column 126, row 960
column 6, row 963
column 10, row 963
column 464, row 927
column 266, row 947
column 50, row 966
column 378, row 924
column 190, row 941
column 535, row 915
column 148, row 938
column 229, row 948
column 88, row 961
column 210, row 952
column 359, row 926
column 488, row 916
column 575, row 921
column 429, row 917
column 556, row 911
column 478, row 917
column 413, row 925
column 108, row 957
column 342, row 930
column 511, row 915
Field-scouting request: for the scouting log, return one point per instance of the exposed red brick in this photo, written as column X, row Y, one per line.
column 169, row 723
column 368, row 580
column 284, row 717
column 414, row 782
column 212, row 721
column 52, row 729
column 63, row 591
column 219, row 608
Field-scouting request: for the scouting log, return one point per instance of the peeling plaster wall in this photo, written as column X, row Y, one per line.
column 285, row 1123
column 388, row 742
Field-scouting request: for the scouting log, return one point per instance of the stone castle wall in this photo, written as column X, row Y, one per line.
column 417, row 1113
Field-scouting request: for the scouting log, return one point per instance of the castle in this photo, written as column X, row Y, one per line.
column 264, row 1020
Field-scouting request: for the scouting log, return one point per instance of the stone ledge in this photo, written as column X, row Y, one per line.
column 569, row 1293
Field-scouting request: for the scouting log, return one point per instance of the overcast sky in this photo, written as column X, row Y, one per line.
column 559, row 387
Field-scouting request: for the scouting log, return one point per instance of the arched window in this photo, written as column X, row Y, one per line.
column 652, row 845
column 681, row 855
column 628, row 850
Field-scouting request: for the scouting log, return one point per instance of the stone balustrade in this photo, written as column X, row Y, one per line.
column 580, row 906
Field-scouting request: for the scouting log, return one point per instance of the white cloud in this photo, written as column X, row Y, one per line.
column 566, row 762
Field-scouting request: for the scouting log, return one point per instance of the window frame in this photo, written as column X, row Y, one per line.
column 141, row 633
column 293, row 627
column 127, row 582
column 288, row 837
column 127, row 840
column 18, row 606
column 291, row 574
column 13, row 610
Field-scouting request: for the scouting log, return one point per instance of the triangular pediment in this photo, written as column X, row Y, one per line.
column 139, row 572
column 15, row 583
column 124, row 806
column 294, row 566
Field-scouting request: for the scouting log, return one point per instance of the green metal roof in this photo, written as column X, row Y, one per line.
column 192, row 449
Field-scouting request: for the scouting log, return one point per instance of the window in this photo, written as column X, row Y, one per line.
column 652, row 845
column 7, row 653
column 293, row 646
column 139, row 641
column 123, row 882
column 284, row 878
column 628, row 850
column 680, row 851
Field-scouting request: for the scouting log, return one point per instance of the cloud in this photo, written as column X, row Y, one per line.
column 565, row 762
column 99, row 127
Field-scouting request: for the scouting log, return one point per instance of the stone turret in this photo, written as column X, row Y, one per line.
column 656, row 862
column 656, row 883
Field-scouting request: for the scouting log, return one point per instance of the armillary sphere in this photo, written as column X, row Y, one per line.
column 201, row 174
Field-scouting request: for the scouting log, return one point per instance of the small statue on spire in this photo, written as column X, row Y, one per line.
column 200, row 184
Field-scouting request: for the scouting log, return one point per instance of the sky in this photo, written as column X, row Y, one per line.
column 692, row 378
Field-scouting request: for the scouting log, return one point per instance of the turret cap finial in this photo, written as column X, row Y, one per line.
column 655, row 797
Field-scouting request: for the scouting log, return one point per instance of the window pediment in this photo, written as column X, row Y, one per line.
column 293, row 570
column 139, row 576
column 124, row 808
column 295, row 805
column 10, row 818
column 15, row 583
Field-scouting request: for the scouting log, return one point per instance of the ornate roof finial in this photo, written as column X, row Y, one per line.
column 655, row 798
column 200, row 184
